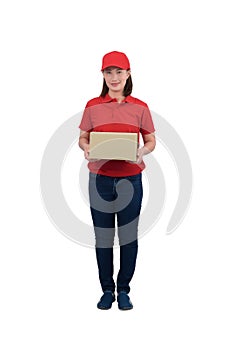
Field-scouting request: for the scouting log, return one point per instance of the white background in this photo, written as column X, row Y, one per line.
column 182, row 57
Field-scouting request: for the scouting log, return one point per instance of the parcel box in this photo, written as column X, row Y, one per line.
column 113, row 145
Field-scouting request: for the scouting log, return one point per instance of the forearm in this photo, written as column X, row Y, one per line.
column 148, row 147
column 83, row 143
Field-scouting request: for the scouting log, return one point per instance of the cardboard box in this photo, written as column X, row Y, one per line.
column 113, row 145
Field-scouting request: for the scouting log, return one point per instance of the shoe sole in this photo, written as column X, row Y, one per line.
column 125, row 308
column 104, row 308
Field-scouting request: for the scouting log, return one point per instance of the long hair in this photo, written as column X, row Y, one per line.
column 127, row 88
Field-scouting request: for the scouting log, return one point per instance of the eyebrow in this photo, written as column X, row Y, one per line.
column 112, row 68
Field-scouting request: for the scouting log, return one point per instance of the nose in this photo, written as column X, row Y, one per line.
column 114, row 77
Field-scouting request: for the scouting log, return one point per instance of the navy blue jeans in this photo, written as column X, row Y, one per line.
column 115, row 199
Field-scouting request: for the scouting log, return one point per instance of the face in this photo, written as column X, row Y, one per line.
column 115, row 78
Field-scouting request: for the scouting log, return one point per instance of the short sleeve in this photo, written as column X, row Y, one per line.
column 147, row 125
column 85, row 123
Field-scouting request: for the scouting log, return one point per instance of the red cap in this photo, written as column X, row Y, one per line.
column 115, row 59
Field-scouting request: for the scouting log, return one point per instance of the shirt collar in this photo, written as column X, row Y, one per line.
column 107, row 98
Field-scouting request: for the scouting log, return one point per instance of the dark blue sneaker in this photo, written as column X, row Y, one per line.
column 106, row 300
column 124, row 302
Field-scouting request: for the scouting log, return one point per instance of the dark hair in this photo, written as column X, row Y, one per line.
column 127, row 88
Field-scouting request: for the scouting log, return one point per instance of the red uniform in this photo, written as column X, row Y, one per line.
column 106, row 114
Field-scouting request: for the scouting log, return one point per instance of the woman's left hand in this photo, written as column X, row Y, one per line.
column 140, row 154
column 149, row 145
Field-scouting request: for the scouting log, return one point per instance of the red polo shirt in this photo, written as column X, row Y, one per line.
column 106, row 114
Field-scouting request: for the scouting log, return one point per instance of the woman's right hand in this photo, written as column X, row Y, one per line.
column 86, row 151
column 84, row 145
column 86, row 154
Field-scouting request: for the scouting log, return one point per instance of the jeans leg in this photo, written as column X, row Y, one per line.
column 128, row 219
column 105, row 268
column 104, row 247
column 104, row 228
column 128, row 256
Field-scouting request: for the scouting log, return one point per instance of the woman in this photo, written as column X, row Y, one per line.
column 117, row 182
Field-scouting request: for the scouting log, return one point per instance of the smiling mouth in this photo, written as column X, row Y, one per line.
column 114, row 84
